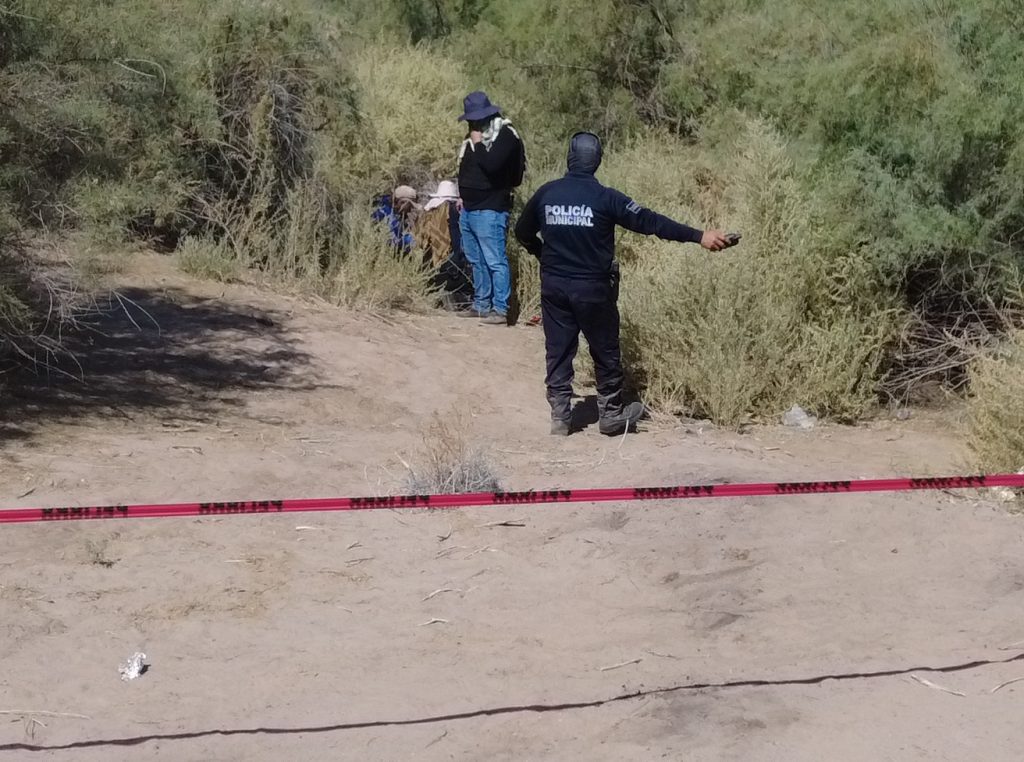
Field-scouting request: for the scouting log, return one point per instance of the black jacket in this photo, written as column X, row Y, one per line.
column 576, row 218
column 485, row 176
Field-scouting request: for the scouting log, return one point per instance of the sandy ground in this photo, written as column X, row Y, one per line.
column 765, row 629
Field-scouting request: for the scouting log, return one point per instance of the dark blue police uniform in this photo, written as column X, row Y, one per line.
column 569, row 225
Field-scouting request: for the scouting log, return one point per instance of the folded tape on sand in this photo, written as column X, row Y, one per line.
column 528, row 497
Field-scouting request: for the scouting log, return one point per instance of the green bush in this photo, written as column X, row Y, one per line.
column 995, row 409
column 408, row 102
column 871, row 154
column 367, row 274
column 758, row 328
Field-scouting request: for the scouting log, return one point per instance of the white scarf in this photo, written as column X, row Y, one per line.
column 490, row 135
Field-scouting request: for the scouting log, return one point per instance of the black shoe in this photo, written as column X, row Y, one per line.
column 625, row 420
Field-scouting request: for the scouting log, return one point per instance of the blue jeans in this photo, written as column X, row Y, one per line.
column 483, row 240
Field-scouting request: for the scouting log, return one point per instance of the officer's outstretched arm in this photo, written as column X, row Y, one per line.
column 630, row 215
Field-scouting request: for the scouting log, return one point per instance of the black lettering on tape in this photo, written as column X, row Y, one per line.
column 811, row 488
column 666, row 493
column 949, row 482
column 391, row 501
column 251, row 506
column 533, row 496
column 515, row 498
column 85, row 512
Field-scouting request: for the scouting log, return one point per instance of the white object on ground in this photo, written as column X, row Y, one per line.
column 796, row 417
column 132, row 668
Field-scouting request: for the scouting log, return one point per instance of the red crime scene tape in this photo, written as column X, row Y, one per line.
column 528, row 497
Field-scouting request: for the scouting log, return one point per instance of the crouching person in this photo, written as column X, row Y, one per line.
column 399, row 211
column 437, row 232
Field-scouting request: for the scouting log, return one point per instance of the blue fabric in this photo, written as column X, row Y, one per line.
column 385, row 212
column 483, row 240
column 477, row 107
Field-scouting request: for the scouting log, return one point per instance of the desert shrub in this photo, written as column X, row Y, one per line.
column 367, row 273
column 525, row 268
column 205, row 257
column 40, row 300
column 408, row 101
column 788, row 317
column 358, row 268
column 995, row 408
column 449, row 463
column 16, row 316
column 758, row 328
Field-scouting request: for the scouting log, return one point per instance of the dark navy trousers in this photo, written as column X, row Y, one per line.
column 570, row 306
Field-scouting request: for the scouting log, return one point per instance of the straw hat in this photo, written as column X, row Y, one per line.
column 446, row 191
column 405, row 193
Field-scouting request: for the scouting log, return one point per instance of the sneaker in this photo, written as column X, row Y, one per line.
column 559, row 428
column 471, row 313
column 495, row 318
column 626, row 420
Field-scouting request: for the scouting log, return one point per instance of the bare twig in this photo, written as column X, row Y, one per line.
column 438, row 739
column 505, row 523
column 43, row 713
column 663, row 656
column 935, row 686
column 121, row 299
column 1008, row 682
column 442, row 590
column 449, row 551
column 126, row 67
column 481, row 550
column 546, row 65
column 433, row 621
column 9, row 12
column 618, row 666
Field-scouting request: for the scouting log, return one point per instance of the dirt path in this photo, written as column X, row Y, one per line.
column 729, row 631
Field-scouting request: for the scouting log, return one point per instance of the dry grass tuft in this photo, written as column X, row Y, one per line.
column 995, row 408
column 449, row 463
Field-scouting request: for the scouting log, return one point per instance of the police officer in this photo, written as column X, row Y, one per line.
column 569, row 225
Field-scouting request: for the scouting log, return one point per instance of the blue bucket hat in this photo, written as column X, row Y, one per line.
column 478, row 106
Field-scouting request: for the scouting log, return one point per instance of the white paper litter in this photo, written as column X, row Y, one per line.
column 798, row 418
column 132, row 668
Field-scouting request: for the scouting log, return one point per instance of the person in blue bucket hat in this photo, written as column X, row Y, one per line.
column 492, row 162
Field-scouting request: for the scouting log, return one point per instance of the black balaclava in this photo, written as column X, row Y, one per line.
column 585, row 153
